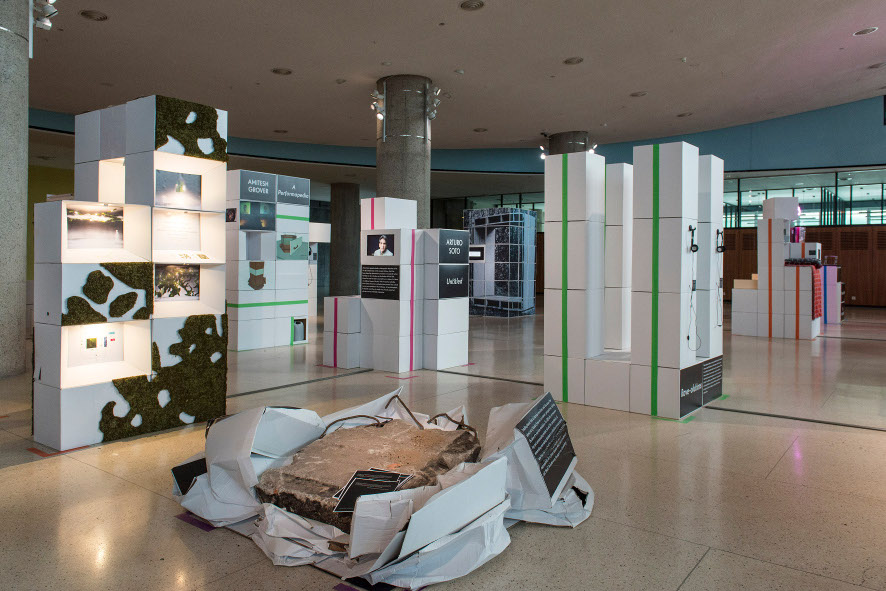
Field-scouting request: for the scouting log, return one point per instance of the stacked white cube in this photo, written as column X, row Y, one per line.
column 617, row 255
column 97, row 316
column 575, row 201
column 267, row 255
column 447, row 284
column 833, row 294
column 711, row 240
column 341, row 331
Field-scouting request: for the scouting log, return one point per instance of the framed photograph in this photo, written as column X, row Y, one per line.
column 380, row 245
column 258, row 215
column 178, row 189
column 94, row 226
column 176, row 282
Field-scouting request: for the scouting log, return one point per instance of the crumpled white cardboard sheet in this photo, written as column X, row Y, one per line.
column 530, row 500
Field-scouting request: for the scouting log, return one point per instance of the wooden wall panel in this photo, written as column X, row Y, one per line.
column 878, row 264
column 855, row 257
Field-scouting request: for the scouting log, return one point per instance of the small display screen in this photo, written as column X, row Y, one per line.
column 380, row 245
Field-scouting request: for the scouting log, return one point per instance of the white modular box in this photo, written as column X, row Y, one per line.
column 445, row 246
column 58, row 282
column 165, row 332
column 744, row 300
column 575, row 378
column 100, row 135
column 744, row 323
column 293, row 275
column 244, row 335
column 391, row 353
column 442, row 351
column 84, row 232
column 801, row 327
column 391, row 247
column 668, row 391
column 103, row 181
column 210, row 300
column 677, row 264
column 290, row 302
column 617, row 317
column 250, row 305
column 676, row 328
column 798, row 302
column 677, row 181
column 710, row 189
column 617, row 254
column 393, row 282
column 388, row 213
column 342, row 350
column 183, row 236
column 447, row 316
column 248, row 185
column 786, row 208
column 770, row 265
column 342, row 314
column 812, row 250
column 250, row 246
column 798, row 278
column 583, row 323
column 393, row 318
column 619, row 194
column 584, row 253
column 293, row 219
column 579, row 177
column 710, row 261
column 710, row 323
column 607, row 381
column 251, row 275
column 776, row 231
column 68, row 418
column 770, row 325
column 141, row 126
column 174, row 181
column 81, row 355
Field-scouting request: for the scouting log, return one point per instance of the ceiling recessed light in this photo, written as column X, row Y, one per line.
column 281, row 131
column 604, row 125
column 472, row 5
column 572, row 61
column 459, row 72
column 865, row 31
column 94, row 15
column 480, row 129
column 340, row 80
column 386, row 63
column 282, row 71
column 687, row 114
column 877, row 66
column 639, row 93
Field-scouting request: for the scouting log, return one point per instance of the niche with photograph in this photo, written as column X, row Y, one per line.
column 177, row 282
column 258, row 215
column 380, row 245
column 94, row 226
column 178, row 189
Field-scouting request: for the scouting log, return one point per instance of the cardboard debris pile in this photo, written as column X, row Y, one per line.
column 410, row 523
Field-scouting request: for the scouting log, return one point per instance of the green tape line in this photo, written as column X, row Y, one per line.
column 564, row 278
column 293, row 217
column 653, row 410
column 260, row 304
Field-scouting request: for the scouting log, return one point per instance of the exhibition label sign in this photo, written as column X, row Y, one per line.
column 257, row 186
column 454, row 246
column 545, row 431
column 381, row 282
column 294, row 190
column 700, row 384
column 454, row 281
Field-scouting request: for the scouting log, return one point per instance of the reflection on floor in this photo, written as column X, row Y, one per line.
column 725, row 501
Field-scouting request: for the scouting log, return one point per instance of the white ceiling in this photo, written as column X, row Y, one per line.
column 745, row 61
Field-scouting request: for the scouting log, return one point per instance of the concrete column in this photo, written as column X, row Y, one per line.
column 403, row 144
column 13, row 181
column 567, row 142
column 344, row 257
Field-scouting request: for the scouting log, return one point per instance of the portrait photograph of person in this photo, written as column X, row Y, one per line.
column 380, row 245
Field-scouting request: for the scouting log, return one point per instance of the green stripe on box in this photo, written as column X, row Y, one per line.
column 564, row 271
column 653, row 410
column 260, row 304
column 293, row 217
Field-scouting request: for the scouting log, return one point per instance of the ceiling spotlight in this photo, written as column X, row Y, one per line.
column 471, row 5
column 376, row 95
column 43, row 23
column 572, row 61
column 542, row 148
column 340, row 80
column 542, row 155
column 639, row 93
column 687, row 114
column 48, row 10
column 94, row 15
column 435, row 90
column 386, row 63
column 380, row 115
column 865, row 31
column 282, row 71
column 877, row 66
column 432, row 115
column 594, row 147
column 281, row 131
column 459, row 72
column 480, row 129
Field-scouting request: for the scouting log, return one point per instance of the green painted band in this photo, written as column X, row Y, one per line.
column 293, row 217
column 564, row 272
column 653, row 392
column 261, row 304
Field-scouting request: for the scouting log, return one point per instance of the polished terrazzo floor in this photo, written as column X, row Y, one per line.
column 724, row 501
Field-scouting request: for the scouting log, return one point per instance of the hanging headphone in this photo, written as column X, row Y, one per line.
column 721, row 241
column 693, row 246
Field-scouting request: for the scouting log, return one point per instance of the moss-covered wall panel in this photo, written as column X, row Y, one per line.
column 174, row 120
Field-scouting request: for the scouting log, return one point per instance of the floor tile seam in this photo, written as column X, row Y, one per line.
column 782, row 457
column 261, row 559
column 14, row 435
column 856, row 495
column 296, row 384
column 650, row 531
column 793, row 568
column 120, row 477
column 686, row 578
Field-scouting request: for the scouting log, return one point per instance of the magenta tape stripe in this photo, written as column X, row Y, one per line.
column 191, row 520
column 412, row 304
column 335, row 335
column 372, row 213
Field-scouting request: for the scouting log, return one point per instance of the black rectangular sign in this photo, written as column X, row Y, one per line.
column 453, row 281
column 700, row 384
column 380, row 282
column 454, row 246
column 258, row 186
column 548, row 438
column 477, row 254
column 294, row 190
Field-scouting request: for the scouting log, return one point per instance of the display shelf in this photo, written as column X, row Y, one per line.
column 71, row 417
column 176, row 293
column 100, row 135
column 175, row 181
column 101, row 180
column 88, row 232
column 183, row 236
column 82, row 355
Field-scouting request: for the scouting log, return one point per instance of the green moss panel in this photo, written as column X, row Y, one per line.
column 172, row 121
column 136, row 276
column 97, row 287
column 197, row 386
column 81, row 311
column 122, row 304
